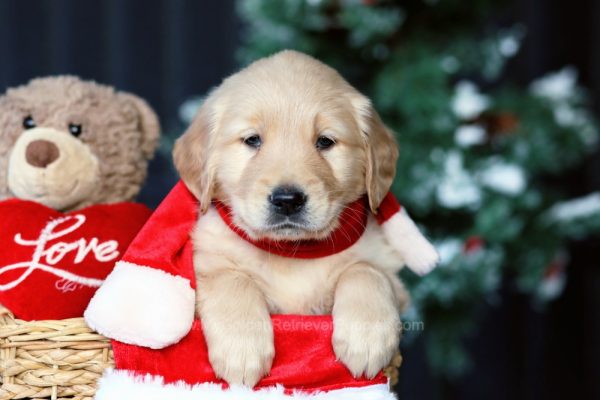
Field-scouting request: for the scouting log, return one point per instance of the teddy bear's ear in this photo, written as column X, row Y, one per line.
column 12, row 111
column 150, row 126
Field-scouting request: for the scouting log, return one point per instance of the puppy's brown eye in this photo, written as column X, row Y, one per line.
column 324, row 142
column 253, row 141
column 28, row 122
column 75, row 129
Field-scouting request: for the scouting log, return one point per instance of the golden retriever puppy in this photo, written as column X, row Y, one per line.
column 287, row 143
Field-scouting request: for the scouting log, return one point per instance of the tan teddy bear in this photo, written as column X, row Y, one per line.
column 68, row 143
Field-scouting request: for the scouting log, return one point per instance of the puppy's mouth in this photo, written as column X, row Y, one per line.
column 296, row 228
column 304, row 225
column 286, row 225
column 285, row 230
column 288, row 229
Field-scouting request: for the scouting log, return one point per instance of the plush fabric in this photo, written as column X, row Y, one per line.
column 158, row 312
column 304, row 361
column 123, row 309
column 388, row 208
column 122, row 384
column 404, row 235
column 52, row 263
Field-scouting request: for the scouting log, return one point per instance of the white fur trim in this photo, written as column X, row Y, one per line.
column 402, row 233
column 122, row 385
column 142, row 306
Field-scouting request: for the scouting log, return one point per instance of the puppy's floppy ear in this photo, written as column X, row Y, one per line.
column 149, row 125
column 191, row 155
column 381, row 148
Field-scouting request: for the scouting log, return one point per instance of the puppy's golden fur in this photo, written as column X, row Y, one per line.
column 290, row 100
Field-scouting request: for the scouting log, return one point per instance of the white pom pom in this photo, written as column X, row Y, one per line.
column 418, row 253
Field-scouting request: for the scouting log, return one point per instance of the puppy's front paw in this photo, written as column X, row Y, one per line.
column 242, row 353
column 365, row 343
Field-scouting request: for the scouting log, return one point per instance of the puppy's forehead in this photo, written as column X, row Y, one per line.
column 278, row 105
column 287, row 91
column 292, row 114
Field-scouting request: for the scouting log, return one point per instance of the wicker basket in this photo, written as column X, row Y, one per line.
column 62, row 359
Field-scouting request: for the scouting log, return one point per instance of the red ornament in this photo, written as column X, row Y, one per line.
column 497, row 124
column 473, row 244
column 52, row 263
column 556, row 268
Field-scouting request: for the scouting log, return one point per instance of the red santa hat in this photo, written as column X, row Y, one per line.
column 148, row 300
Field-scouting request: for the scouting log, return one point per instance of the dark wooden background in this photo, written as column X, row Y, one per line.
column 169, row 50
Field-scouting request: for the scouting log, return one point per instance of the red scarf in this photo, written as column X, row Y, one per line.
column 352, row 224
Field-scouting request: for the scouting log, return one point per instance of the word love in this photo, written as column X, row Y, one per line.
column 46, row 256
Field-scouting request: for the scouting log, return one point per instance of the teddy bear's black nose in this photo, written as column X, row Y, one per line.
column 287, row 200
column 41, row 153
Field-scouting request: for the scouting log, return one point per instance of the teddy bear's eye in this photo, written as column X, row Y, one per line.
column 75, row 129
column 28, row 122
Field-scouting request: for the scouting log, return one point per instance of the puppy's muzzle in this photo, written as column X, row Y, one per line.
column 287, row 200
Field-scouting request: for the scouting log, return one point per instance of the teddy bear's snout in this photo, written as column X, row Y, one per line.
column 41, row 153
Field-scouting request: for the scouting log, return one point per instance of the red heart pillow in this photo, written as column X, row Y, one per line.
column 51, row 263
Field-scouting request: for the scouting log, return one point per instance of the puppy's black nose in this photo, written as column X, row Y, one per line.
column 287, row 200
